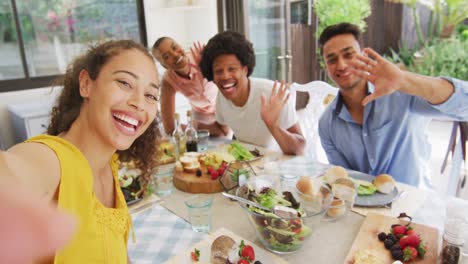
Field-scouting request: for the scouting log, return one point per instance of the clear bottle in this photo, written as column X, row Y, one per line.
column 191, row 135
column 178, row 137
column 452, row 244
column 165, row 148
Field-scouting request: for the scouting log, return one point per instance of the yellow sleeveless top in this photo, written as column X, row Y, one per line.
column 102, row 232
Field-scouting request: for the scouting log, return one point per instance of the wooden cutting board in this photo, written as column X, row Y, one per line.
column 376, row 223
column 189, row 182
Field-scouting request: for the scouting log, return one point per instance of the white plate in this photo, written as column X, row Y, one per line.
column 205, row 250
column 377, row 199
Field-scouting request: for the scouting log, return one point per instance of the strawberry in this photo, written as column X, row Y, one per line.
column 214, row 174
column 210, row 169
column 195, row 255
column 399, row 230
column 221, row 170
column 243, row 261
column 246, row 252
column 409, row 253
column 410, row 232
column 411, row 240
column 223, row 165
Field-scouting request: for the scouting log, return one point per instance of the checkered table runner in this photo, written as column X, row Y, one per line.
column 160, row 234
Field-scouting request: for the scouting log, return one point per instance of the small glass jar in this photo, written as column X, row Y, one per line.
column 288, row 182
column 452, row 244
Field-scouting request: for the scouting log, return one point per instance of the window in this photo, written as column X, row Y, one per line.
column 38, row 39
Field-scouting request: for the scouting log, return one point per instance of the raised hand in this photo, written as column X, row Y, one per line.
column 384, row 75
column 196, row 50
column 271, row 108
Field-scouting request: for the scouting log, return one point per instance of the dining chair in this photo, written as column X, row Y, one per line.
column 319, row 94
column 456, row 145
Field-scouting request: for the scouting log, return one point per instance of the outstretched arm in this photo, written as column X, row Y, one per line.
column 388, row 78
column 32, row 166
column 167, row 106
column 31, row 228
column 291, row 140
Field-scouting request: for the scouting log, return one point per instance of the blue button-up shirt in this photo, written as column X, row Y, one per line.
column 392, row 138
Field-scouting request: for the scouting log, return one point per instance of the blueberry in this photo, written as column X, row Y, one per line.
column 395, row 246
column 397, row 254
column 382, row 236
column 198, row 173
column 388, row 243
column 392, row 237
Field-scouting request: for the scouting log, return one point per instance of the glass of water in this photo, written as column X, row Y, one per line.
column 162, row 179
column 199, row 211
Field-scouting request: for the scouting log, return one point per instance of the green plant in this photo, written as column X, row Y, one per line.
column 445, row 16
column 447, row 57
column 330, row 12
column 405, row 55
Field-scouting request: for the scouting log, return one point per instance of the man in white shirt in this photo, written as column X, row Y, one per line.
column 257, row 110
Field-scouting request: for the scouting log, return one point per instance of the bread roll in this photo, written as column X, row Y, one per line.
column 309, row 193
column 306, row 186
column 337, row 208
column 192, row 154
column 188, row 161
column 384, row 183
column 220, row 249
column 192, row 168
column 334, row 173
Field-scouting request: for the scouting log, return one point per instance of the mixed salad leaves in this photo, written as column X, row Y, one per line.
column 365, row 188
column 283, row 231
column 130, row 185
column 240, row 152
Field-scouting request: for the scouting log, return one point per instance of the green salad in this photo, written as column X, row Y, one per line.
column 365, row 188
column 283, row 234
column 239, row 151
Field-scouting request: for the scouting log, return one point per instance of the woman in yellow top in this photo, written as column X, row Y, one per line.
column 105, row 112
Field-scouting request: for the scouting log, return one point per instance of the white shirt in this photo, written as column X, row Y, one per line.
column 246, row 120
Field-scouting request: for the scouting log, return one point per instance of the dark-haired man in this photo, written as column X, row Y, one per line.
column 377, row 122
column 182, row 75
column 257, row 110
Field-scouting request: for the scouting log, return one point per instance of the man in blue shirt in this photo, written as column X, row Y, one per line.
column 377, row 122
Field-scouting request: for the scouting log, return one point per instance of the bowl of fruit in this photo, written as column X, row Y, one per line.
column 281, row 222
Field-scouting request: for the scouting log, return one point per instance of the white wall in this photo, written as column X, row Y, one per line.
column 185, row 21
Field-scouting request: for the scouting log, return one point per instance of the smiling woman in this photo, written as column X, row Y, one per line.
column 105, row 113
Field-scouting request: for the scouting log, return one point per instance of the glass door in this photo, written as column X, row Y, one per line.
column 268, row 24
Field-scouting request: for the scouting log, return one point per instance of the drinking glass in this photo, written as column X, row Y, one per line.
column 162, row 179
column 203, row 136
column 199, row 211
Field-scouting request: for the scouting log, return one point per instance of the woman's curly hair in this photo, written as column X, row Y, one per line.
column 228, row 42
column 68, row 105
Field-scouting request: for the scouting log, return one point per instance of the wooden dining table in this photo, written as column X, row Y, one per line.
column 331, row 240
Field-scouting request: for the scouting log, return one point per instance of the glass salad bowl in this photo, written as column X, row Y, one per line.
column 290, row 222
